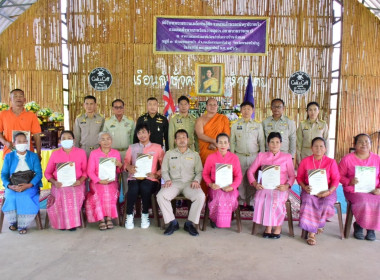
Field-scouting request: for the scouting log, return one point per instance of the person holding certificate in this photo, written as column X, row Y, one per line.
column 222, row 174
column 318, row 176
column 360, row 177
column 143, row 161
column 103, row 167
column 277, row 172
column 67, row 173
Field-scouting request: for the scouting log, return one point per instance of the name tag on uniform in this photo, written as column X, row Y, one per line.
column 159, row 121
column 98, row 121
column 189, row 158
column 173, row 157
column 239, row 127
column 82, row 122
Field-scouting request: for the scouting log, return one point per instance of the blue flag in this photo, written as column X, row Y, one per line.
column 249, row 94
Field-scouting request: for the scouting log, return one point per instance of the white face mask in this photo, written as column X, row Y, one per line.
column 67, row 144
column 21, row 147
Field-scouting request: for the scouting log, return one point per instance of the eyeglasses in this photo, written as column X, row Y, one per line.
column 277, row 107
column 118, row 107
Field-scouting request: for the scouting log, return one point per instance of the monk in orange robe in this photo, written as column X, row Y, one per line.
column 207, row 128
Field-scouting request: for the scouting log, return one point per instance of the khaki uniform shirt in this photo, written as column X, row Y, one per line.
column 287, row 128
column 121, row 132
column 180, row 122
column 86, row 131
column 186, row 167
column 247, row 138
column 306, row 132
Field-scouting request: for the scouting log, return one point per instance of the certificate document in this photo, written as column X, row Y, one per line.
column 270, row 176
column 66, row 173
column 144, row 163
column 27, row 134
column 223, row 174
column 107, row 168
column 317, row 181
column 366, row 176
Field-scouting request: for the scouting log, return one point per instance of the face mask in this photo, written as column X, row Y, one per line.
column 67, row 144
column 21, row 147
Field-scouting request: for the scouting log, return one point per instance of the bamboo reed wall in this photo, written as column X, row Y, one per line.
column 30, row 56
column 359, row 98
column 118, row 35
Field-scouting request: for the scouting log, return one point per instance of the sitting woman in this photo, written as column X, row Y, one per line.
column 269, row 203
column 365, row 206
column 21, row 175
column 316, row 209
column 222, row 201
column 101, row 201
column 66, row 198
column 143, row 184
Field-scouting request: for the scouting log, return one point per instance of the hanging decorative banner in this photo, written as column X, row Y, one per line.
column 299, row 82
column 100, row 79
column 210, row 35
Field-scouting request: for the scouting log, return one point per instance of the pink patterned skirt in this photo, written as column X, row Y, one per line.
column 221, row 205
column 366, row 209
column 64, row 206
column 270, row 207
column 101, row 202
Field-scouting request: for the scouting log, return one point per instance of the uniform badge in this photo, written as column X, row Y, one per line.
column 173, row 157
column 179, row 121
column 239, row 127
column 112, row 126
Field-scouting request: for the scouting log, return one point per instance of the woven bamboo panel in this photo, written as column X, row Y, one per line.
column 359, row 98
column 118, row 35
column 30, row 56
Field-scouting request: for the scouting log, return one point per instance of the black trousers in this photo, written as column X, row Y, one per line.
column 144, row 188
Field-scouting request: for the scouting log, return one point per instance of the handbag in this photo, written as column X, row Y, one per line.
column 21, row 177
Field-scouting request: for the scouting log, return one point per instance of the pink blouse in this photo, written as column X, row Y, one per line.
column 210, row 166
column 93, row 163
column 76, row 155
column 284, row 160
column 347, row 169
column 326, row 163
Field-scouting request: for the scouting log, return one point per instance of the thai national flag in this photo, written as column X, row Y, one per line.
column 169, row 103
column 249, row 94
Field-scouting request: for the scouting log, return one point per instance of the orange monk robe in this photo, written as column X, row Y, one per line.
column 218, row 124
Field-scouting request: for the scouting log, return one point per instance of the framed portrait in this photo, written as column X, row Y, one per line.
column 209, row 79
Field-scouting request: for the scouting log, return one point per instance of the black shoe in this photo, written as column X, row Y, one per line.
column 275, row 236
column 266, row 235
column 173, row 226
column 358, row 232
column 212, row 224
column 371, row 236
column 73, row 229
column 189, row 227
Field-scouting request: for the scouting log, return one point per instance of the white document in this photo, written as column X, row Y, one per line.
column 66, row 173
column 270, row 176
column 27, row 134
column 317, row 181
column 144, row 163
column 223, row 174
column 366, row 176
column 107, row 168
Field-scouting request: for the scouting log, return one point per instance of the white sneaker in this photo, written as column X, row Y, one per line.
column 129, row 222
column 145, row 221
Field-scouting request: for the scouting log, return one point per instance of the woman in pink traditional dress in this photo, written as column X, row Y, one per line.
column 270, row 204
column 101, row 201
column 65, row 202
column 222, row 201
column 365, row 206
column 316, row 209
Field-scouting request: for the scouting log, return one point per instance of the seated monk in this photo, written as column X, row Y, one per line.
column 207, row 128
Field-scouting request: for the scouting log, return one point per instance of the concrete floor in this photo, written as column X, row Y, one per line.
column 215, row 254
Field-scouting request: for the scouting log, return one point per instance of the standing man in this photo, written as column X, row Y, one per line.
column 17, row 119
column 282, row 124
column 157, row 123
column 122, row 130
column 207, row 128
column 183, row 120
column 182, row 172
column 247, row 140
column 87, row 126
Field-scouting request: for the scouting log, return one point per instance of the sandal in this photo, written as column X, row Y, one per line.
column 102, row 225
column 12, row 228
column 311, row 240
column 109, row 224
column 320, row 230
column 22, row 231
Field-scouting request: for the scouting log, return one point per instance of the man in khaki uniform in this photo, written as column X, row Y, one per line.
column 282, row 124
column 183, row 120
column 247, row 140
column 122, row 130
column 87, row 126
column 182, row 171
